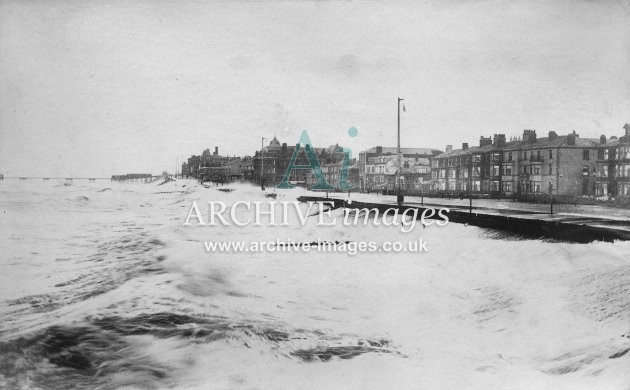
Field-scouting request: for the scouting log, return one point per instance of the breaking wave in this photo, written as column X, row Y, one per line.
column 105, row 288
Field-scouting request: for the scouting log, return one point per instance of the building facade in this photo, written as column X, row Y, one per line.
column 378, row 167
column 272, row 162
column 559, row 165
column 613, row 166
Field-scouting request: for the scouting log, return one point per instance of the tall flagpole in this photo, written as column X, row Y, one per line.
column 399, row 196
column 262, row 163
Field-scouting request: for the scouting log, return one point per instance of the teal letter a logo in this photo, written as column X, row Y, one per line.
column 313, row 165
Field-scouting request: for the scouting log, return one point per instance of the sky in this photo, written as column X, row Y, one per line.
column 95, row 88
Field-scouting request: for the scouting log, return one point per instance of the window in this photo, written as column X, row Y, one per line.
column 476, row 185
column 536, row 170
column 507, row 186
column 605, row 154
column 510, row 156
column 508, row 170
column 452, row 174
column 550, row 154
column 476, row 171
column 622, row 170
column 603, row 172
column 495, row 185
column 538, row 155
column 601, row 189
column 550, row 169
column 585, row 170
column 624, row 152
column 496, row 171
column 534, row 186
column 451, row 186
column 586, row 154
column 463, row 173
column 477, row 158
column 624, row 189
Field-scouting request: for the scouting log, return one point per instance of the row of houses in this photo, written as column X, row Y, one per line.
column 555, row 164
column 268, row 165
column 272, row 161
column 522, row 166
column 213, row 167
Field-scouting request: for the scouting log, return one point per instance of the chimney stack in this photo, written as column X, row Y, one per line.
column 379, row 150
column 571, row 138
column 485, row 141
column 626, row 127
column 602, row 140
column 465, row 145
column 529, row 136
column 449, row 148
column 552, row 135
column 216, row 150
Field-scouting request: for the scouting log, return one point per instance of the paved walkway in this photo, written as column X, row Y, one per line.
column 587, row 222
column 502, row 206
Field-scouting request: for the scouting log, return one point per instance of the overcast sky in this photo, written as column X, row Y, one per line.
column 93, row 88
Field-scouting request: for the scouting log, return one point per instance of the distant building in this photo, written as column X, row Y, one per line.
column 332, row 170
column 377, row 168
column 185, row 171
column 613, row 166
column 247, row 168
column 272, row 162
column 562, row 165
column 192, row 167
column 209, row 160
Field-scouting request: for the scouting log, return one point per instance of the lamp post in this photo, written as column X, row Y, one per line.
column 399, row 195
column 422, row 193
column 470, row 183
column 262, row 163
column 551, row 193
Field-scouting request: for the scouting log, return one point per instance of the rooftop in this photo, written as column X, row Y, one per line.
column 540, row 143
column 394, row 150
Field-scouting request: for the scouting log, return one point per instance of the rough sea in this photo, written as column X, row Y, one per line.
column 103, row 287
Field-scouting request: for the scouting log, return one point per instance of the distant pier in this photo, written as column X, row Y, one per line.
column 127, row 178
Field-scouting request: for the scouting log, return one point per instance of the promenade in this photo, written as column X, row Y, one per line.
column 571, row 223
